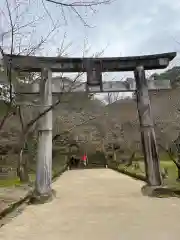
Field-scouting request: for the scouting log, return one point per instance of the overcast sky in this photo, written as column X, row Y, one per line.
column 125, row 27
column 130, row 28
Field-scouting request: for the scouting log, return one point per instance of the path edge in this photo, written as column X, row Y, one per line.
column 158, row 192
column 132, row 175
column 12, row 207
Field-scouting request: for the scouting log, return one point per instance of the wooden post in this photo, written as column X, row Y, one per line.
column 43, row 189
column 148, row 138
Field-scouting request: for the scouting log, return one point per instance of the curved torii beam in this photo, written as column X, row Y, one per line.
column 111, row 64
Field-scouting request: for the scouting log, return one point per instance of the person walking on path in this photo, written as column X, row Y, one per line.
column 84, row 159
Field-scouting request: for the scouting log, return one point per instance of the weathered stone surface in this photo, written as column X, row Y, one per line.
column 160, row 191
column 41, row 199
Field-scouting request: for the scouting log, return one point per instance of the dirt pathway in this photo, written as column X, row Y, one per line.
column 97, row 204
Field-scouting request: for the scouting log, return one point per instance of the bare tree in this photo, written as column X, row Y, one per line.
column 18, row 37
column 112, row 97
column 172, row 149
column 75, row 6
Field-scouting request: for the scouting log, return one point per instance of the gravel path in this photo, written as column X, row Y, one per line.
column 97, row 204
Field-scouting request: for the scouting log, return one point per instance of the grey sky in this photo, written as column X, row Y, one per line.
column 132, row 27
column 123, row 28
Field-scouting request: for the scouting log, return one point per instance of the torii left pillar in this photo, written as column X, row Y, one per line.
column 43, row 190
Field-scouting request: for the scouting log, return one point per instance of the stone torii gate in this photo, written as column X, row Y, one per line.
column 94, row 68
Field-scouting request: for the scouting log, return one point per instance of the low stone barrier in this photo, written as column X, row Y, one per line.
column 7, row 173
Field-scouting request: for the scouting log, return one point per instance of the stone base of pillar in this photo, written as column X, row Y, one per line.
column 157, row 191
column 38, row 198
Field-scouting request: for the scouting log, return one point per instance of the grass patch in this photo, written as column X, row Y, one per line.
column 170, row 181
column 171, row 186
column 32, row 178
column 10, row 182
column 58, row 164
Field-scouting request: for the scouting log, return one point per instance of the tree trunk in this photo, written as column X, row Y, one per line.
column 22, row 170
column 104, row 151
column 178, row 177
column 102, row 146
column 114, row 155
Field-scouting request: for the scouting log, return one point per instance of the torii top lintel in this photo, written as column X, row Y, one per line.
column 114, row 64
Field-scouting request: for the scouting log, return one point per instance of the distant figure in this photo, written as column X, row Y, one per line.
column 70, row 164
column 77, row 160
column 84, row 159
column 73, row 162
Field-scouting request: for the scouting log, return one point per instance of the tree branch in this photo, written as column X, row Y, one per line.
column 80, row 4
column 170, row 155
column 9, row 70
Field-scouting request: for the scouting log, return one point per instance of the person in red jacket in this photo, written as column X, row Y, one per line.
column 84, row 159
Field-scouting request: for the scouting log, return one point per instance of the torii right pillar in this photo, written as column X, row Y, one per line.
column 148, row 138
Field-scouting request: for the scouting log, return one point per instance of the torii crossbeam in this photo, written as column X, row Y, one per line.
column 114, row 64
